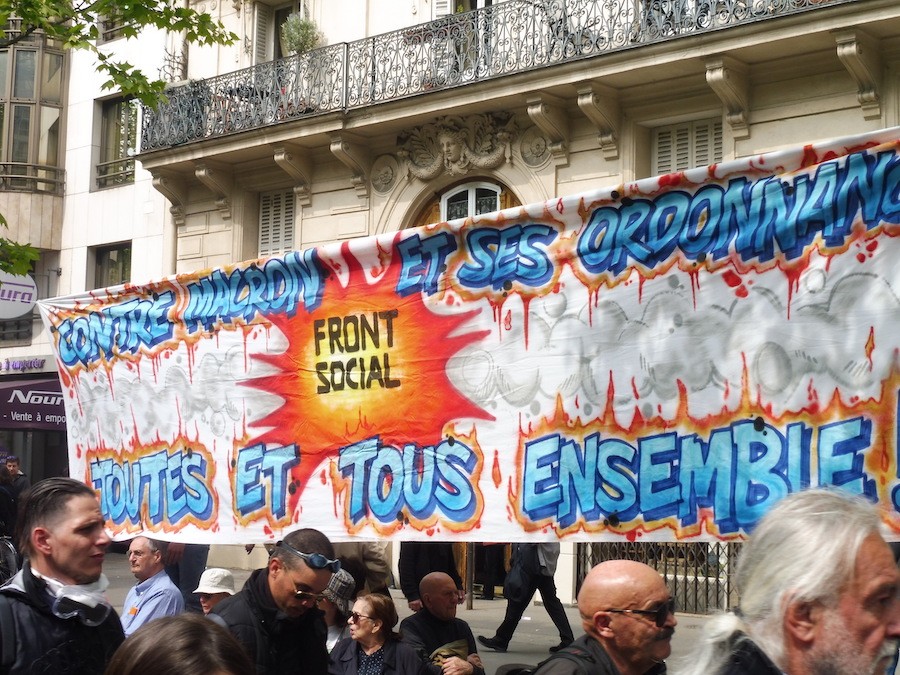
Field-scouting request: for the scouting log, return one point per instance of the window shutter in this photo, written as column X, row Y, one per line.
column 684, row 146
column 276, row 222
column 441, row 8
column 664, row 152
column 261, row 34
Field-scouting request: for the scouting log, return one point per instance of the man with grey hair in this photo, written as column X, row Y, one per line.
column 818, row 594
column 154, row 595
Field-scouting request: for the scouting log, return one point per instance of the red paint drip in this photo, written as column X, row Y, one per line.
column 731, row 278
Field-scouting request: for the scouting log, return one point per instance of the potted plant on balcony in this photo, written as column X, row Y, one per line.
column 298, row 36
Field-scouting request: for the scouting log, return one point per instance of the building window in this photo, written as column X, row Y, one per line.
column 32, row 88
column 111, row 27
column 112, row 265
column 684, row 146
column 118, row 142
column 276, row 222
column 471, row 199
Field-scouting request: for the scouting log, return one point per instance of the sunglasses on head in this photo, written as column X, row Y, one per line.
column 660, row 614
column 316, row 561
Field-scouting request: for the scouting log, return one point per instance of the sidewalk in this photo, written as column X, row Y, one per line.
column 530, row 644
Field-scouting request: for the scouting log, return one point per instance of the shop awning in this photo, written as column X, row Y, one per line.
column 32, row 404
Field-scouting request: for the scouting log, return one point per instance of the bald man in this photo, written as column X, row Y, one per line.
column 444, row 643
column 628, row 619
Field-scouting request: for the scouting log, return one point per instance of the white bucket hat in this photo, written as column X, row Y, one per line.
column 216, row 580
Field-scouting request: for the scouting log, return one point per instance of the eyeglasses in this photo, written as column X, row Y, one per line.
column 660, row 614
column 304, row 596
column 315, row 560
column 356, row 616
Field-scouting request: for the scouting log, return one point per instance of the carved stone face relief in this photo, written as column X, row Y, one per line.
column 457, row 145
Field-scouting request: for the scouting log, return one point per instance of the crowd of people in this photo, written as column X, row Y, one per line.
column 818, row 590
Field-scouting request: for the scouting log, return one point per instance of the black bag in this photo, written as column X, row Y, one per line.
column 519, row 585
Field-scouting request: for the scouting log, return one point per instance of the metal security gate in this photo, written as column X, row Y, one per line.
column 698, row 575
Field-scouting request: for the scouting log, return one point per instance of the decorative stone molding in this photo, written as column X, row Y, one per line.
column 727, row 77
column 861, row 56
column 219, row 182
column 385, row 170
column 600, row 104
column 534, row 148
column 457, row 145
column 549, row 114
column 292, row 161
column 353, row 154
column 172, row 187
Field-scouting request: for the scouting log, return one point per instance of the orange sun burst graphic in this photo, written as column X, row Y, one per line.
column 366, row 362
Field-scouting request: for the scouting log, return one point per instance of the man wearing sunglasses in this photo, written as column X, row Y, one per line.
column 274, row 616
column 54, row 613
column 628, row 619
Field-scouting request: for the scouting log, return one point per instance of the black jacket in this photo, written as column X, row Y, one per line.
column 275, row 642
column 424, row 632
column 46, row 643
column 585, row 656
column 399, row 659
column 418, row 558
column 747, row 659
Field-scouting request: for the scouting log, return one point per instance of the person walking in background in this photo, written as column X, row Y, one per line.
column 274, row 616
column 215, row 585
column 184, row 565
column 20, row 481
column 186, row 644
column 335, row 604
column 56, row 604
column 418, row 559
column 533, row 567
column 373, row 647
column 154, row 595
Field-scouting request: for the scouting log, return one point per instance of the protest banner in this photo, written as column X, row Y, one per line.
column 661, row 360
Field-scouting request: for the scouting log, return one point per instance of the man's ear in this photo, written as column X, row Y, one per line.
column 40, row 540
column 601, row 622
column 801, row 621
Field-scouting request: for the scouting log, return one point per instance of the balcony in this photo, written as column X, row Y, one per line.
column 507, row 38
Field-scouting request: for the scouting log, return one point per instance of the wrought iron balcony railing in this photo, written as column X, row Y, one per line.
column 505, row 38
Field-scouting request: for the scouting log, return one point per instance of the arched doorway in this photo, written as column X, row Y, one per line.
column 469, row 198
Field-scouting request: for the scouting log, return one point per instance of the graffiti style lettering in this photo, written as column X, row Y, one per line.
column 424, row 261
column 422, row 481
column 353, row 334
column 740, row 472
column 751, row 217
column 261, row 479
column 224, row 297
column 512, row 254
column 174, row 484
column 122, row 328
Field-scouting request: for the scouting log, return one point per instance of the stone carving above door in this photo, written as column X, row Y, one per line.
column 457, row 145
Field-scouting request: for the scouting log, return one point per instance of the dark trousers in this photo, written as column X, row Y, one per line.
column 514, row 610
column 186, row 574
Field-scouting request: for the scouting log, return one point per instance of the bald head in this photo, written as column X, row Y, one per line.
column 617, row 583
column 618, row 602
column 438, row 593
